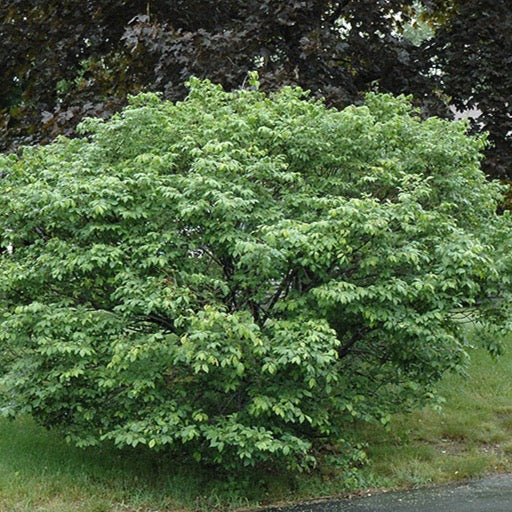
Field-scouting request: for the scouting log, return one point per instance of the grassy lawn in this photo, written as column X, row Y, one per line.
column 472, row 436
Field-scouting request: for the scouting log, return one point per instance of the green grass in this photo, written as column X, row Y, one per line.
column 472, row 436
column 40, row 472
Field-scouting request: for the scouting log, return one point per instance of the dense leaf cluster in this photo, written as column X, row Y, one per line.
column 236, row 275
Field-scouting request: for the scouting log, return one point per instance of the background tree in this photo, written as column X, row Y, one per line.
column 64, row 60
column 472, row 54
column 61, row 61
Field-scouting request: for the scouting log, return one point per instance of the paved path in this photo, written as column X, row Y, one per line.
column 490, row 495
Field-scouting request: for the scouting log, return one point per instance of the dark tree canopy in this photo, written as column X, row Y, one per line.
column 63, row 60
column 473, row 49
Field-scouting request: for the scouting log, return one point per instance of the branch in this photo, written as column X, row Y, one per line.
column 159, row 320
column 345, row 349
column 283, row 286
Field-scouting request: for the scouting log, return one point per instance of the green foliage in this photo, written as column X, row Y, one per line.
column 233, row 276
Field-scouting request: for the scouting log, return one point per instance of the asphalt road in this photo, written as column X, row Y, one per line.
column 490, row 495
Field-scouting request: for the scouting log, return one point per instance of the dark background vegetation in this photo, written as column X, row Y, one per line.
column 61, row 60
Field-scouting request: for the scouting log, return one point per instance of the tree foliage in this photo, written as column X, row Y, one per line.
column 64, row 60
column 61, row 61
column 236, row 275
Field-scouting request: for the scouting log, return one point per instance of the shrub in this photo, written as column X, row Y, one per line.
column 234, row 276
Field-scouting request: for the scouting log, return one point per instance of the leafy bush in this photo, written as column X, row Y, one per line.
column 236, row 275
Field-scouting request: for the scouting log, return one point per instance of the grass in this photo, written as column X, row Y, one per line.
column 469, row 438
column 40, row 472
column 472, row 436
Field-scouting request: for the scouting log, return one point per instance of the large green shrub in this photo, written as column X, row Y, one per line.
column 236, row 275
